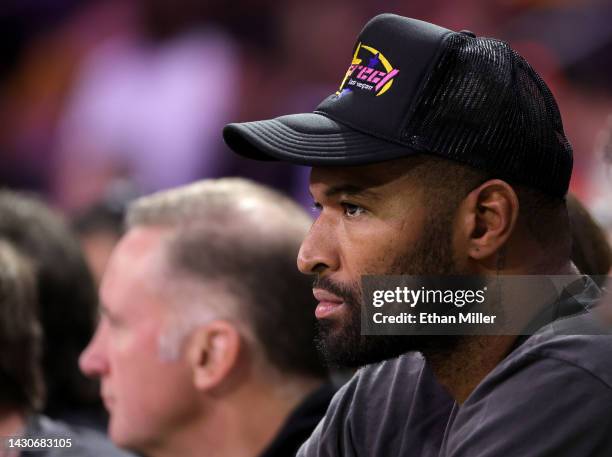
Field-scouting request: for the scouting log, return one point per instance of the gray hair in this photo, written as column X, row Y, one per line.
column 224, row 198
column 240, row 237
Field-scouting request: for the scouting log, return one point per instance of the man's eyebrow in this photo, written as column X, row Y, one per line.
column 351, row 189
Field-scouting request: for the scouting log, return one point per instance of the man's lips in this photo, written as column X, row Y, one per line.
column 328, row 303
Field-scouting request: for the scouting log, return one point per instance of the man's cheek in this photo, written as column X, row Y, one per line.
column 379, row 263
column 120, row 345
column 123, row 355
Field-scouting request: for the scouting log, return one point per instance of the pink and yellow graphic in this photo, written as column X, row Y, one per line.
column 370, row 77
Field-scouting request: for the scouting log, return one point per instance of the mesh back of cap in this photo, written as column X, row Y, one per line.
column 483, row 105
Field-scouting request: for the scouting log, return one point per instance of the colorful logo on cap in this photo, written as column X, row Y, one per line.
column 374, row 76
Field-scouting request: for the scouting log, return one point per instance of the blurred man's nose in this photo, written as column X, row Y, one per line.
column 318, row 252
column 93, row 362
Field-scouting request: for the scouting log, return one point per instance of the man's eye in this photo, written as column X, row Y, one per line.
column 351, row 210
column 316, row 208
column 111, row 321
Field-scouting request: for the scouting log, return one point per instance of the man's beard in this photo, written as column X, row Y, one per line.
column 342, row 343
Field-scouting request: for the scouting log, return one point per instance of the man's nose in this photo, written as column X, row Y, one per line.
column 93, row 362
column 318, row 252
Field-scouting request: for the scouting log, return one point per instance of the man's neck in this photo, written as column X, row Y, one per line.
column 239, row 427
column 474, row 357
column 461, row 369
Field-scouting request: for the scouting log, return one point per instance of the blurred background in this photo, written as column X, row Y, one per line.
column 102, row 100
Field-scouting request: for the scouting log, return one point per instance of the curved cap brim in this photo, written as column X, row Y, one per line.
column 309, row 139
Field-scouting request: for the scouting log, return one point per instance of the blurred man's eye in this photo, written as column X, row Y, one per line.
column 110, row 319
column 316, row 208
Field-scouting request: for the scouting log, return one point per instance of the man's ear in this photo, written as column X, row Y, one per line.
column 213, row 353
column 488, row 218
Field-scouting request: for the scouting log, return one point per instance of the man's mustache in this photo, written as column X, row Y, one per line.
column 350, row 295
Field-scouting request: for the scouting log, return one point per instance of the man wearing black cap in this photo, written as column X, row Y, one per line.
column 443, row 153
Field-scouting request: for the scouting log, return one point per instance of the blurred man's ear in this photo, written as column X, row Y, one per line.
column 213, row 353
column 487, row 218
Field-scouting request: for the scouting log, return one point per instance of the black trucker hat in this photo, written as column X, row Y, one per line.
column 414, row 87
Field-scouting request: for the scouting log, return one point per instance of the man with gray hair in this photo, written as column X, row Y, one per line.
column 205, row 345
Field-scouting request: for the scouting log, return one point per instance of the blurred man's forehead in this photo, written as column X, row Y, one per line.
column 142, row 240
column 135, row 268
